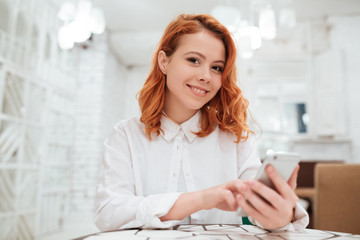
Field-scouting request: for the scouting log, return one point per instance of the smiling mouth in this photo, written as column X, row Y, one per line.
column 198, row 90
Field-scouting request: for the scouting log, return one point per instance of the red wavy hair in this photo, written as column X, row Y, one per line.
column 228, row 108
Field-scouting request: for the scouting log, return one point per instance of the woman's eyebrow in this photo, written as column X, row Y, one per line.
column 203, row 56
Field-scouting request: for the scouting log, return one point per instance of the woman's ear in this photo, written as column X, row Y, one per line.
column 162, row 61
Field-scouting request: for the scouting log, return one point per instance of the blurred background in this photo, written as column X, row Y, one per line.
column 69, row 70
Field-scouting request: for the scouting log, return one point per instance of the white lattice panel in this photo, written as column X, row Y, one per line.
column 45, row 70
column 7, row 191
column 26, row 189
column 25, row 226
column 7, row 226
column 37, row 86
column 18, row 52
column 60, row 128
column 10, row 139
column 56, row 177
column 37, row 122
column 36, row 103
column 53, row 208
column 57, row 154
column 32, row 145
column 4, row 43
column 13, row 102
column 33, row 61
column 18, row 192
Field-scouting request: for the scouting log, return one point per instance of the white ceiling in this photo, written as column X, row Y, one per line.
column 135, row 26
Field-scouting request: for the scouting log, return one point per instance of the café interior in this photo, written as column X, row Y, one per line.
column 65, row 82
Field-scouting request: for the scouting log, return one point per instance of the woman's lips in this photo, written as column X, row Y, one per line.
column 198, row 90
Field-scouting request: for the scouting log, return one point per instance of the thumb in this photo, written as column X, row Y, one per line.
column 293, row 178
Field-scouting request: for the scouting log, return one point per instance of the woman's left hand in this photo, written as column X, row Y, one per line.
column 277, row 210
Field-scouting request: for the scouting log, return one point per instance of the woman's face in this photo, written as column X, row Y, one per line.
column 193, row 74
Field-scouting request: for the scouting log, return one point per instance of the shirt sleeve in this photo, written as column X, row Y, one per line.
column 299, row 223
column 248, row 160
column 118, row 206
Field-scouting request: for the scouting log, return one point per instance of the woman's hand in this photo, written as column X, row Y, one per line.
column 221, row 196
column 230, row 195
column 270, row 208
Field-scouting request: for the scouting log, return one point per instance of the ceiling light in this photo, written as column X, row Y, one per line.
column 228, row 16
column 67, row 11
column 252, row 33
column 97, row 21
column 287, row 17
column 79, row 31
column 65, row 39
column 267, row 23
column 79, row 23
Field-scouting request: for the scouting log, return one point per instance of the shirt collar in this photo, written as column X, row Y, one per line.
column 171, row 129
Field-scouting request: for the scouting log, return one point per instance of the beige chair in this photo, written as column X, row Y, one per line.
column 337, row 197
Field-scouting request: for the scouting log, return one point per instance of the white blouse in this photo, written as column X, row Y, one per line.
column 141, row 179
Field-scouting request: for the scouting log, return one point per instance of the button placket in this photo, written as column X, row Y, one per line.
column 189, row 181
column 176, row 163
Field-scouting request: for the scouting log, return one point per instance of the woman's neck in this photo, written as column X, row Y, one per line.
column 178, row 116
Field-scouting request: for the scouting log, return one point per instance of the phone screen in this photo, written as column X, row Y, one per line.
column 284, row 164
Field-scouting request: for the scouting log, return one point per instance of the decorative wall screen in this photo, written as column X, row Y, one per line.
column 37, row 93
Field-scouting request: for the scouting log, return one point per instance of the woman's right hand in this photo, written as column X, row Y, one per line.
column 222, row 196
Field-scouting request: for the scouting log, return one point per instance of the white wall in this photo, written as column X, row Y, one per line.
column 87, row 142
column 331, row 74
column 114, row 94
column 136, row 78
column 345, row 37
column 40, row 79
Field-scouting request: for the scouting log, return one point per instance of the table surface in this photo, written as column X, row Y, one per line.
column 216, row 231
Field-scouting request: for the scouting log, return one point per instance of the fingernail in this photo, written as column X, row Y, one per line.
column 244, row 187
column 239, row 197
column 251, row 182
column 269, row 168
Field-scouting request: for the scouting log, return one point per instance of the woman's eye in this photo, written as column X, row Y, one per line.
column 218, row 68
column 193, row 60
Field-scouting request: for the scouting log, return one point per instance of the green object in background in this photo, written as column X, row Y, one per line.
column 246, row 221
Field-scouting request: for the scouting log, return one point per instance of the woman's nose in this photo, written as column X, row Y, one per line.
column 205, row 74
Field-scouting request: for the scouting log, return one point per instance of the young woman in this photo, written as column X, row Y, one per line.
column 191, row 157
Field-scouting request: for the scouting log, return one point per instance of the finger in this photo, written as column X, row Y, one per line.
column 268, row 194
column 233, row 185
column 261, row 204
column 249, row 209
column 230, row 199
column 281, row 186
column 293, row 178
column 238, row 187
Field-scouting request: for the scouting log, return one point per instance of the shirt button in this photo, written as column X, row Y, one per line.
column 180, row 147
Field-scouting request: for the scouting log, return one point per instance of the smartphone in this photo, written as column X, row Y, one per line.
column 283, row 162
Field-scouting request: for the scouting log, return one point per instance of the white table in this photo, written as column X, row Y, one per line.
column 216, row 231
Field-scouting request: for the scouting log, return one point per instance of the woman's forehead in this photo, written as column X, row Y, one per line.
column 204, row 41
